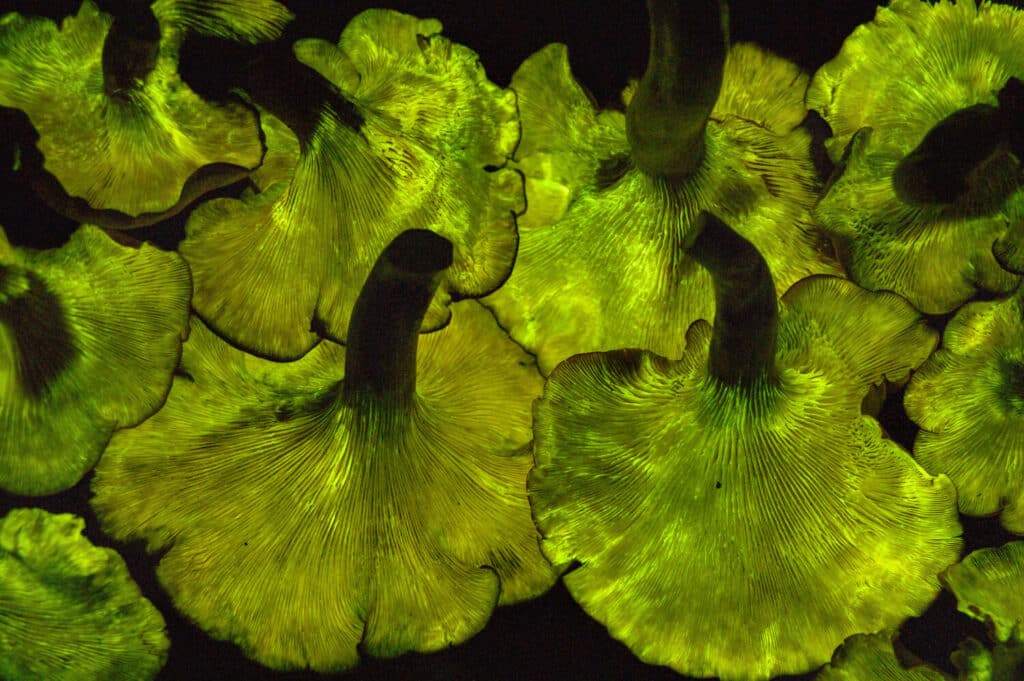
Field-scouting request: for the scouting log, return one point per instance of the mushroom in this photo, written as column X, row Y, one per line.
column 733, row 513
column 90, row 334
column 70, row 610
column 123, row 141
column 366, row 498
column 405, row 130
column 968, row 399
column 611, row 198
column 988, row 584
column 920, row 104
column 864, row 657
column 989, row 587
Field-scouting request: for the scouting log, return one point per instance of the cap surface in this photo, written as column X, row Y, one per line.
column 70, row 610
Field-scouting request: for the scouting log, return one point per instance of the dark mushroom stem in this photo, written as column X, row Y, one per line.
column 380, row 358
column 938, row 170
column 297, row 94
column 743, row 341
column 130, row 50
column 667, row 116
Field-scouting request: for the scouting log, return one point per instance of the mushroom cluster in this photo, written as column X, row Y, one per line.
column 612, row 197
column 430, row 355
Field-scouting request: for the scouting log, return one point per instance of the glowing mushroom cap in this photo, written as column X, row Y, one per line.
column 376, row 499
column 89, row 336
column 599, row 231
column 148, row 147
column 968, row 399
column 910, row 96
column 739, row 518
column 871, row 657
column 423, row 146
column 949, row 55
column 989, row 586
column 69, row 611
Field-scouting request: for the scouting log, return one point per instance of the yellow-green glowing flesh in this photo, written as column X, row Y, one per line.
column 89, row 336
column 69, row 611
column 989, row 586
column 871, row 657
column 968, row 399
column 599, row 235
column 742, row 533
column 131, row 155
column 434, row 131
column 301, row 525
column 892, row 82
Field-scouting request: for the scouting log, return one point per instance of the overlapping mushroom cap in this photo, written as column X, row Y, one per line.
column 732, row 512
column 360, row 497
column 69, row 611
column 603, row 233
column 968, row 399
column 89, row 336
column 989, row 586
column 420, row 146
column 871, row 657
column 911, row 98
column 124, row 140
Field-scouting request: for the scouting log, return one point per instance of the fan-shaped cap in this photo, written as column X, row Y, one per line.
column 89, row 336
column 947, row 55
column 389, row 519
column 69, row 611
column 432, row 136
column 989, row 586
column 599, row 233
column 871, row 657
column 144, row 151
column 968, row 399
column 909, row 97
column 693, row 503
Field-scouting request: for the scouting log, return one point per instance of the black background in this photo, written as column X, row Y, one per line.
column 549, row 638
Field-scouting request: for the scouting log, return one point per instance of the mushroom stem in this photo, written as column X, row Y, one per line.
column 297, row 94
column 130, row 50
column 746, row 312
column 380, row 357
column 667, row 116
column 937, row 171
